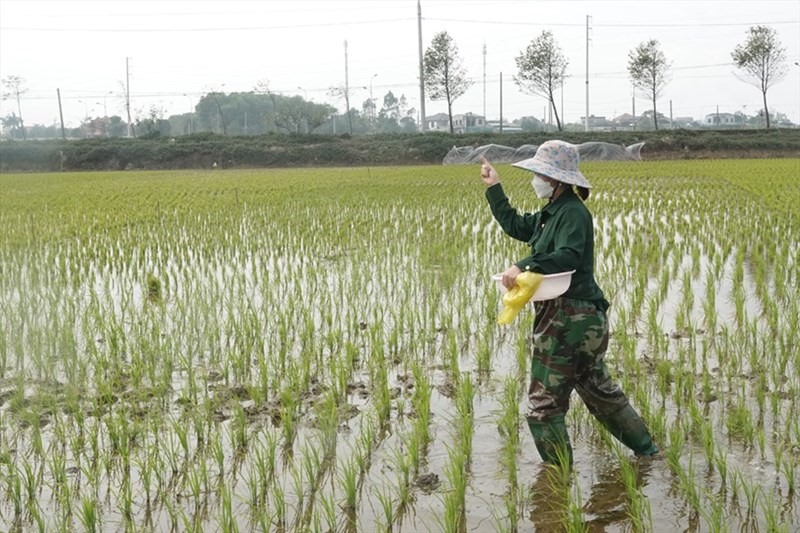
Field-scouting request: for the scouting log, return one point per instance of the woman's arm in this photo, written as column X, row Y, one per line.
column 517, row 226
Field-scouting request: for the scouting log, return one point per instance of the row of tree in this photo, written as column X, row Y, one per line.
column 542, row 68
column 248, row 113
column 541, row 71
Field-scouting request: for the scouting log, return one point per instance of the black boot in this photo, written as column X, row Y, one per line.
column 628, row 427
column 552, row 440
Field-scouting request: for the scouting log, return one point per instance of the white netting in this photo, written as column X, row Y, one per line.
column 589, row 151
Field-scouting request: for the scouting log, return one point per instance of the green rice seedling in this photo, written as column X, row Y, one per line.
column 312, row 465
column 421, row 401
column 388, row 507
column 707, row 439
column 228, row 522
column 296, row 472
column 575, row 522
column 483, row 355
column 509, row 427
column 326, row 502
column 14, row 489
column 788, row 469
column 455, row 498
column 773, row 515
column 638, row 506
column 31, row 480
column 752, row 493
column 279, row 504
column 402, row 465
column 288, row 412
column 348, row 481
column 88, row 514
column 675, row 448
column 125, row 498
column 464, row 397
column 687, row 485
column 714, row 512
column 239, row 436
column 739, row 421
column 328, row 421
column 256, row 490
column 37, row 519
column 721, row 464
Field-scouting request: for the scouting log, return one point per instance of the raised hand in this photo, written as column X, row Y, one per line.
column 488, row 173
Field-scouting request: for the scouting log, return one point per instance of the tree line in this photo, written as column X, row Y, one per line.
column 541, row 71
column 542, row 67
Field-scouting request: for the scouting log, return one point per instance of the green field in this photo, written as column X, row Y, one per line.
column 316, row 350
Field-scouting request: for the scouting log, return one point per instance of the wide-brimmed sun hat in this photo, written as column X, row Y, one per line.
column 558, row 160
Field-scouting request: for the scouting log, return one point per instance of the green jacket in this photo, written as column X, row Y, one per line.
column 561, row 237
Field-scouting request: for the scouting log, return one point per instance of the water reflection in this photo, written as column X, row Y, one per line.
column 606, row 509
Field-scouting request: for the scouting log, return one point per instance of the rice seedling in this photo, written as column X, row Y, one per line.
column 177, row 351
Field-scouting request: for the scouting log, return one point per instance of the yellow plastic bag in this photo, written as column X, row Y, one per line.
column 518, row 296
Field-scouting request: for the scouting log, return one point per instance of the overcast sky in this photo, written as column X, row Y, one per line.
column 180, row 50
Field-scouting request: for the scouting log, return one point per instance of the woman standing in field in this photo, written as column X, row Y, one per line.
column 570, row 332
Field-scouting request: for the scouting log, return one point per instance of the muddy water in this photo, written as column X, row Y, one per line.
column 260, row 295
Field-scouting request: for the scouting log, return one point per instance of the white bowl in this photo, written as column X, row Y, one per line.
column 552, row 286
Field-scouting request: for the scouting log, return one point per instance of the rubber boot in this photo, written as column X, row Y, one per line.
column 628, row 427
column 552, row 440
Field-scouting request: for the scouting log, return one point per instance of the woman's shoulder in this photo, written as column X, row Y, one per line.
column 574, row 205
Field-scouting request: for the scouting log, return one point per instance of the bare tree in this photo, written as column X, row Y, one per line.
column 649, row 71
column 542, row 68
column 342, row 92
column 443, row 72
column 16, row 88
column 762, row 60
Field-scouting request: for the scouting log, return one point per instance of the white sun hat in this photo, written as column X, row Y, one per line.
column 558, row 160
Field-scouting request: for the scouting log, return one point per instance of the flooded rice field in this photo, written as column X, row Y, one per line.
column 316, row 350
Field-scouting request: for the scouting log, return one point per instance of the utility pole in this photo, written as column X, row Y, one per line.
column 484, row 81
column 347, row 90
column 633, row 105
column 422, row 119
column 128, row 97
column 586, row 118
column 61, row 114
column 501, row 102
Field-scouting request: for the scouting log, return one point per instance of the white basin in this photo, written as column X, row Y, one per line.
column 552, row 286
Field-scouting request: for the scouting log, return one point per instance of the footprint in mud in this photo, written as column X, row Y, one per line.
column 427, row 483
column 447, row 389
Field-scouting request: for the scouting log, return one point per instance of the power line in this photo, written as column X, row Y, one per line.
column 240, row 28
column 627, row 25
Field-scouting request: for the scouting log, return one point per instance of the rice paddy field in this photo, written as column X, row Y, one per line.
column 316, row 350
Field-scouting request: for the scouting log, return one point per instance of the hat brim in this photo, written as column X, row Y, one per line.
column 572, row 177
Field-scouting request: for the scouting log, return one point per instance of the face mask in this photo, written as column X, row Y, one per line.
column 542, row 188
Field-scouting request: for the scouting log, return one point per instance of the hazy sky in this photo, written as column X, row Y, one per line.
column 180, row 50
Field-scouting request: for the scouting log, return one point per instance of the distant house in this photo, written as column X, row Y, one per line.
column 625, row 122
column 469, row 123
column 466, row 123
column 723, row 120
column 599, row 123
column 438, row 122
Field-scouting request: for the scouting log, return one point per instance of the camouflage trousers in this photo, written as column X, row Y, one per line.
column 570, row 338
